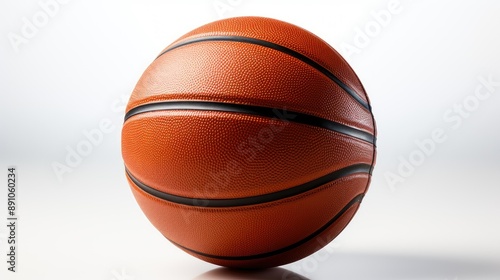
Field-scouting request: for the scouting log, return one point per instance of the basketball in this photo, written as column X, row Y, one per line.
column 249, row 143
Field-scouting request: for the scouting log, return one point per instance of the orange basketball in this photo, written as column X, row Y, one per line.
column 249, row 142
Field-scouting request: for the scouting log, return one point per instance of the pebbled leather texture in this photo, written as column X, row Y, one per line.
column 210, row 154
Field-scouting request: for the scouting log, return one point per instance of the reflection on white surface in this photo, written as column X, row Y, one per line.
column 371, row 266
column 267, row 274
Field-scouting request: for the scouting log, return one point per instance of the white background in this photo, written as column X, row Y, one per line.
column 439, row 220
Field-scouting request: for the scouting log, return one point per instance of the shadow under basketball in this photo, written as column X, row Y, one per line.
column 360, row 266
column 276, row 273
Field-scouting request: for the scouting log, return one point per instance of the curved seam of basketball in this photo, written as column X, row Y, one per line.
column 261, row 206
column 267, row 112
column 374, row 145
column 252, row 200
column 280, row 48
column 355, row 200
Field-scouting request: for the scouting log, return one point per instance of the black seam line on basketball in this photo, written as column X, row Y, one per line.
column 374, row 153
column 252, row 200
column 283, row 49
column 355, row 200
column 275, row 113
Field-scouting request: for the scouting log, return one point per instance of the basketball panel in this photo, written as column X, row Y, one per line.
column 253, row 229
column 214, row 155
column 284, row 34
column 241, row 73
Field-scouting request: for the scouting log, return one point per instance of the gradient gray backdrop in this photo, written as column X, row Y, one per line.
column 441, row 220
